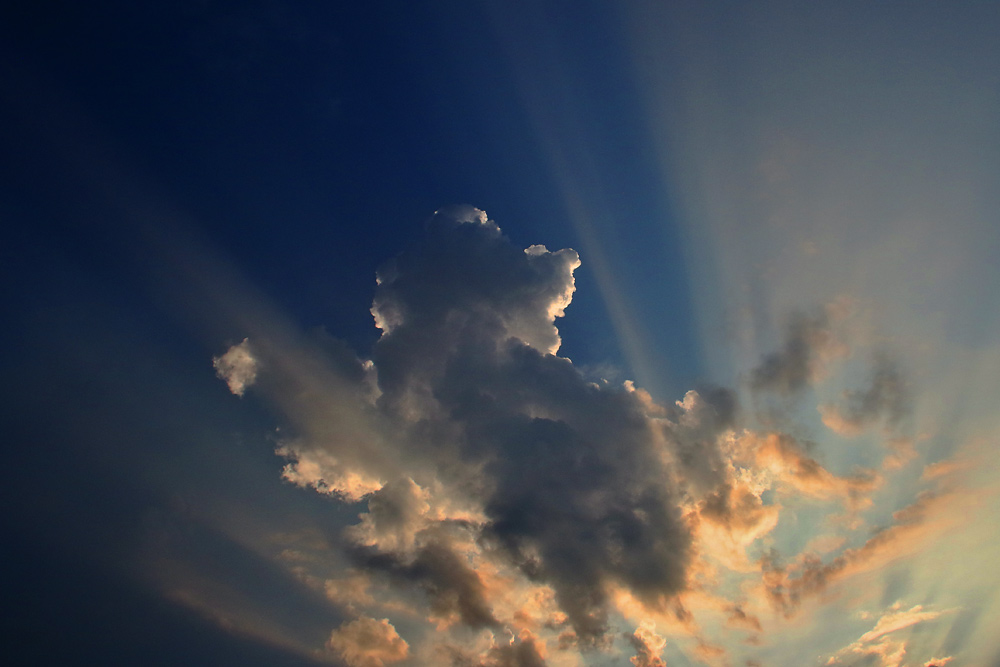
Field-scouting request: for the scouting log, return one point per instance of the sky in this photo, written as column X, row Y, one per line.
column 477, row 334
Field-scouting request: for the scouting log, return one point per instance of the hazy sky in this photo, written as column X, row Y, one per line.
column 473, row 334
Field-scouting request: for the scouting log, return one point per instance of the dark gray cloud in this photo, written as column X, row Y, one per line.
column 572, row 486
column 693, row 431
column 452, row 587
column 647, row 646
column 796, row 363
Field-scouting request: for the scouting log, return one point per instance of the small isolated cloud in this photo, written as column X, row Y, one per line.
column 809, row 343
column 887, row 398
column 237, row 367
column 367, row 642
column 738, row 618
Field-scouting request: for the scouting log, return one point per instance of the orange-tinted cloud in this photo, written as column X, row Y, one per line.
column 367, row 642
column 784, row 456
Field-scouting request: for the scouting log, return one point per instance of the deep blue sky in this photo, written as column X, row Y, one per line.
column 309, row 142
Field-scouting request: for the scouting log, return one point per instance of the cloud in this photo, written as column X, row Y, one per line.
column 739, row 618
column 887, row 398
column 395, row 515
column 237, row 367
column 784, row 456
column 808, row 344
column 569, row 474
column 731, row 519
column 648, row 646
column 367, row 642
column 876, row 647
column 524, row 651
column 454, row 589
column 695, row 428
column 897, row 620
column 786, row 587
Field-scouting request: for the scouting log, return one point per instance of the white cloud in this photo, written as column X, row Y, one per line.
column 237, row 367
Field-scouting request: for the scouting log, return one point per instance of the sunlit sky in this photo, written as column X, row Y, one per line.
column 485, row 335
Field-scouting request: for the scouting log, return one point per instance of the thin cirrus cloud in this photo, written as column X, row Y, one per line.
column 513, row 512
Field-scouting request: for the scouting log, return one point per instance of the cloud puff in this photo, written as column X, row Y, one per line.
column 367, row 642
column 237, row 367
column 808, row 344
column 648, row 646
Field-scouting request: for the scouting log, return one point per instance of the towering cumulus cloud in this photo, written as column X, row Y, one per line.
column 523, row 512
column 565, row 475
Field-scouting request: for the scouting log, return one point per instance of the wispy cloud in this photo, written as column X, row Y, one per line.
column 877, row 645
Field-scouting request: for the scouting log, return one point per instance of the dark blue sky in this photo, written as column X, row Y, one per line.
column 309, row 143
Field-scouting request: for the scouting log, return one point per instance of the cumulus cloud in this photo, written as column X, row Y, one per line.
column 648, row 646
column 568, row 472
column 499, row 490
column 367, row 642
column 237, row 367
